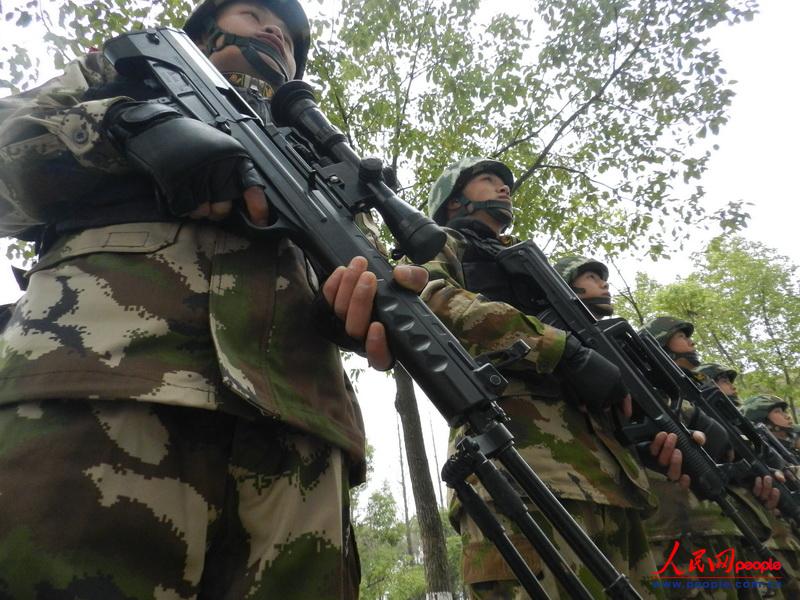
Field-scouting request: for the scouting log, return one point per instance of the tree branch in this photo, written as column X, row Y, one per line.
column 536, row 133
column 628, row 294
column 402, row 110
column 581, row 109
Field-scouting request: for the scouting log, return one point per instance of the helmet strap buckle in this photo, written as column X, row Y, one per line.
column 251, row 50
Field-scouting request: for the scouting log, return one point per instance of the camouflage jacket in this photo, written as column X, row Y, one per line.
column 575, row 453
column 175, row 312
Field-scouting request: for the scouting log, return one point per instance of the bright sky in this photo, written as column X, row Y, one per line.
column 755, row 163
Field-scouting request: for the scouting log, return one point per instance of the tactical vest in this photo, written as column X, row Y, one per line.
column 482, row 272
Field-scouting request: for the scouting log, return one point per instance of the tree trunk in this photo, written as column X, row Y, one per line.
column 436, row 464
column 434, row 548
column 409, row 547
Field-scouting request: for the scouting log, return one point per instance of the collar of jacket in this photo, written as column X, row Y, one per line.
column 250, row 84
column 479, row 228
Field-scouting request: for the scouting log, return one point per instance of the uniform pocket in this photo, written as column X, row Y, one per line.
column 125, row 238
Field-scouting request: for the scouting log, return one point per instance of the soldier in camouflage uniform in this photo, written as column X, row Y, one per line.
column 172, row 423
column 700, row 524
column 723, row 378
column 771, row 411
column 566, row 436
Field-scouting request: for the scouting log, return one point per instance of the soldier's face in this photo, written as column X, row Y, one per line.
column 778, row 416
column 482, row 188
column 726, row 386
column 593, row 286
column 680, row 342
column 250, row 19
column 487, row 186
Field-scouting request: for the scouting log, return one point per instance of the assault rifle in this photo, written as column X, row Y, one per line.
column 646, row 370
column 316, row 185
column 754, row 456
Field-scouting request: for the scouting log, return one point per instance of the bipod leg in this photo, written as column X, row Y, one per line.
column 490, row 527
column 615, row 584
column 469, row 459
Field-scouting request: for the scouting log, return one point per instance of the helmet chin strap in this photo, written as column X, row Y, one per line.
column 600, row 305
column 251, row 50
column 691, row 357
column 780, row 428
column 497, row 209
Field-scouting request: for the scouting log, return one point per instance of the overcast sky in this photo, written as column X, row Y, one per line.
column 756, row 162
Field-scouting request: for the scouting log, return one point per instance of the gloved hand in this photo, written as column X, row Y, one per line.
column 596, row 382
column 199, row 169
column 718, row 442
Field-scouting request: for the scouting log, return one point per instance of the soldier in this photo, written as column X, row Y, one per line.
column 771, row 411
column 723, row 378
column 564, row 433
column 172, row 422
column 699, row 524
column 588, row 278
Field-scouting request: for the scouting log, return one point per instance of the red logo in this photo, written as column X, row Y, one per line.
column 723, row 565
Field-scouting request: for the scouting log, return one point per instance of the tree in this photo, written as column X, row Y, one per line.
column 434, row 547
column 597, row 105
column 743, row 300
column 379, row 534
column 613, row 90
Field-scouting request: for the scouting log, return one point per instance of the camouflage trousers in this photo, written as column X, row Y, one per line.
column 618, row 532
column 125, row 500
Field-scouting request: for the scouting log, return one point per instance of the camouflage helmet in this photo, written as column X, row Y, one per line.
column 456, row 176
column 663, row 328
column 201, row 22
column 715, row 371
column 758, row 407
column 570, row 267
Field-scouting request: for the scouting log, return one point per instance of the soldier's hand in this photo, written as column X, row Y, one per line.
column 768, row 496
column 663, row 449
column 254, row 200
column 350, row 291
column 199, row 170
column 595, row 381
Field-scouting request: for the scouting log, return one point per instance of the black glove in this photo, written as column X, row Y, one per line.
column 192, row 163
column 596, row 381
column 717, row 440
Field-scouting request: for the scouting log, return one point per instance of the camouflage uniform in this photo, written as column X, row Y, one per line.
column 696, row 524
column 173, row 419
column 574, row 452
column 783, row 541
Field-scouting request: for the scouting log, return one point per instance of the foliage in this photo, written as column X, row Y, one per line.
column 743, row 299
column 598, row 105
column 72, row 28
column 387, row 571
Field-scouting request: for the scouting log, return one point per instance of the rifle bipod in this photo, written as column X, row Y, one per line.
column 496, row 441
